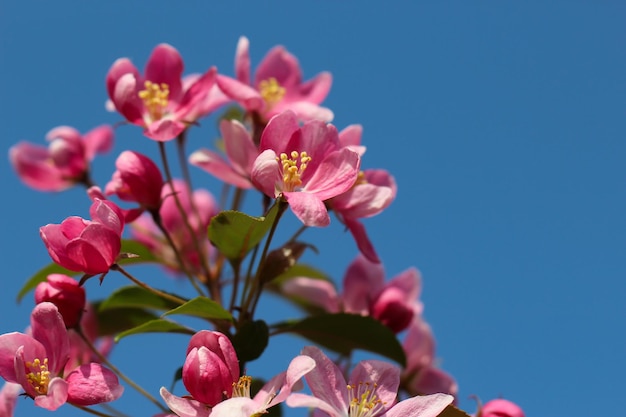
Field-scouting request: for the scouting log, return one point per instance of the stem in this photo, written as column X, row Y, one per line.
column 298, row 233
column 143, row 285
column 91, row 411
column 119, row 373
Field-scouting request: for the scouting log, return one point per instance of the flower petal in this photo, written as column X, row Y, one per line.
column 309, row 208
column 421, row 406
column 184, row 407
column 56, row 396
column 92, row 384
column 48, row 327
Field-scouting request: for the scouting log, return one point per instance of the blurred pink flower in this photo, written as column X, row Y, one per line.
column 371, row 390
column 66, row 160
column 277, row 85
column 500, row 408
column 36, row 363
column 64, row 292
column 304, row 164
column 157, row 101
column 89, row 246
column 8, row 398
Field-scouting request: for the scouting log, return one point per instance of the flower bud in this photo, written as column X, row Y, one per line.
column 392, row 310
column 500, row 408
column 65, row 293
column 137, row 179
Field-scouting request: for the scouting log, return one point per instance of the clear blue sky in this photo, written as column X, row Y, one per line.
column 503, row 123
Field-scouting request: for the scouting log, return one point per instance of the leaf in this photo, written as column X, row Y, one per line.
column 251, row 340
column 343, row 333
column 156, row 326
column 117, row 320
column 452, row 411
column 235, row 233
column 202, row 307
column 133, row 296
column 128, row 246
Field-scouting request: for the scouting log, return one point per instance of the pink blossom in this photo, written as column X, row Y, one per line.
column 370, row 391
column 240, row 153
column 306, row 165
column 8, row 398
column 157, row 100
column 365, row 292
column 65, row 293
column 500, row 408
column 146, row 232
column 36, row 362
column 66, row 160
column 277, row 86
column 275, row 391
column 89, row 246
column 136, row 179
column 421, row 376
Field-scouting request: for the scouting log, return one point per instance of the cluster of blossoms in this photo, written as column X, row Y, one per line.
column 279, row 143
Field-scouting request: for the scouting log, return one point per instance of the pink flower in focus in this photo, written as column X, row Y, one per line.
column 370, row 391
column 305, row 165
column 146, row 232
column 35, row 362
column 89, row 246
column 8, row 398
column 66, row 160
column 65, row 293
column 240, row 153
column 157, row 100
column 277, row 86
column 500, row 408
column 365, row 292
column 136, row 179
column 421, row 376
column 275, row 391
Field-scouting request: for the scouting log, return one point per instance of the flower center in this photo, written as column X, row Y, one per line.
column 271, row 91
column 155, row 98
column 241, row 388
column 363, row 400
column 39, row 375
column 293, row 168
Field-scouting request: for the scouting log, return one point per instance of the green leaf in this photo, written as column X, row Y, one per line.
column 251, row 340
column 117, row 320
column 202, row 307
column 128, row 246
column 235, row 233
column 133, row 296
column 156, row 326
column 300, row 270
column 343, row 332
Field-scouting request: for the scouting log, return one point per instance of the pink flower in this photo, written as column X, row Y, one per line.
column 365, row 292
column 277, row 86
column 146, row 232
column 66, row 160
column 8, row 398
column 370, row 391
column 275, row 391
column 87, row 246
column 65, row 293
column 157, row 100
column 500, row 408
column 35, row 362
column 371, row 194
column 421, row 375
column 240, row 153
column 306, row 165
column 137, row 179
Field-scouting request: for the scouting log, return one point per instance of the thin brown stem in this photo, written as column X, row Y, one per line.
column 143, row 285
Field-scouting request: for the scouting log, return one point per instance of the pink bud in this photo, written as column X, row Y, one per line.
column 219, row 344
column 65, row 293
column 501, row 408
column 137, row 179
column 392, row 309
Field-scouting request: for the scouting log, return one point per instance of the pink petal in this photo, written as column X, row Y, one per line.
column 315, row 291
column 9, row 345
column 126, row 98
column 164, row 130
column 98, row 140
column 165, row 65
column 119, row 68
column 305, row 110
column 363, row 242
column 66, row 133
column 298, row 367
column 362, row 281
column 281, row 65
column 92, row 384
column 430, row 380
column 8, row 398
column 96, row 249
column 213, row 163
column 385, row 375
column 335, row 175
column 501, row 408
column 326, row 381
column 316, row 89
column 266, row 174
column 309, row 208
column 56, row 242
column 409, row 282
column 34, row 166
column 108, row 214
column 48, row 327
column 242, row 60
column 240, row 148
column 363, row 200
column 184, row 407
column 195, row 95
column 421, row 406
column 248, row 97
column 235, row 407
column 351, row 135
column 56, row 396
column 279, row 131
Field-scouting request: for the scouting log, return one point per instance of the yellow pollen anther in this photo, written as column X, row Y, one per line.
column 271, row 91
column 39, row 375
column 363, row 400
column 293, row 169
column 155, row 98
column 241, row 388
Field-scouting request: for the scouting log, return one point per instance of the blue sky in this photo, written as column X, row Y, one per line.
column 503, row 123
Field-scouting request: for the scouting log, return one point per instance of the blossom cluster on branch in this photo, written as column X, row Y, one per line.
column 278, row 147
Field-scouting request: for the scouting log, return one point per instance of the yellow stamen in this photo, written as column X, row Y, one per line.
column 293, row 169
column 363, row 400
column 271, row 91
column 39, row 375
column 241, row 388
column 155, row 98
